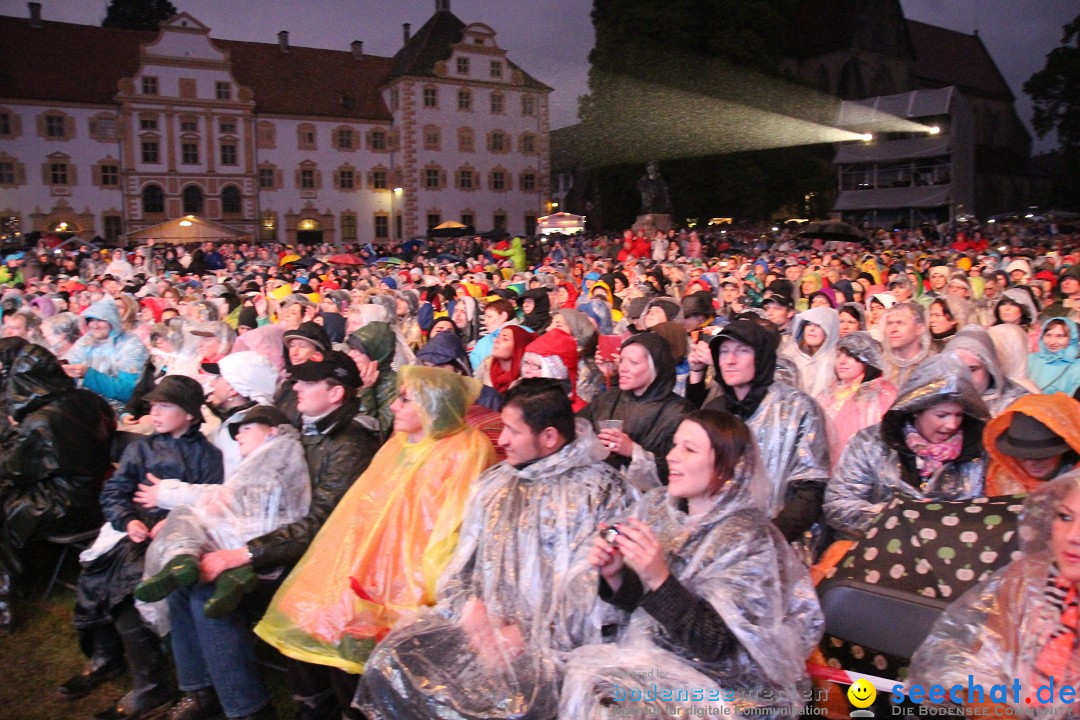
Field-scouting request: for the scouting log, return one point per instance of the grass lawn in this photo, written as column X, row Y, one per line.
column 44, row 652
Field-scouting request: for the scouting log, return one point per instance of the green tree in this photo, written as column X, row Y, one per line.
column 138, row 14
column 1055, row 94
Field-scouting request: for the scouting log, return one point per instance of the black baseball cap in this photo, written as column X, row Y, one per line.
column 335, row 366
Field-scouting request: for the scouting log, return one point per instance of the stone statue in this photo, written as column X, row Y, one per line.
column 654, row 191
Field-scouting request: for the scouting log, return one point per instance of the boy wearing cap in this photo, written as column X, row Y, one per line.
column 105, row 614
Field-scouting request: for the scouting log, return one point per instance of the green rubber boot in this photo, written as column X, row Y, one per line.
column 230, row 588
column 181, row 571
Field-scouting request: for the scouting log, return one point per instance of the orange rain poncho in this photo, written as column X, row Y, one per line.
column 1059, row 412
column 383, row 548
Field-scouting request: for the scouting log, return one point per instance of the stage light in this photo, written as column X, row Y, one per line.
column 867, row 137
column 934, row 130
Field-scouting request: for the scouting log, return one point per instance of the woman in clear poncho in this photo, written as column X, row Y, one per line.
column 730, row 613
column 1021, row 622
column 382, row 549
column 928, row 446
column 859, row 395
column 814, row 334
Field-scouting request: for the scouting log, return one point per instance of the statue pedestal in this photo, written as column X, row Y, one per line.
column 650, row 223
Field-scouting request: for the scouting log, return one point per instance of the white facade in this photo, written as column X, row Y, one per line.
column 186, row 136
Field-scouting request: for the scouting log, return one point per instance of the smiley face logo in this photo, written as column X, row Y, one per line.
column 861, row 694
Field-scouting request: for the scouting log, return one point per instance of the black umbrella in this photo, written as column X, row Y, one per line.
column 832, row 230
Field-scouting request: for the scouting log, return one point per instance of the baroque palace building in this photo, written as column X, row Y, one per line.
column 105, row 132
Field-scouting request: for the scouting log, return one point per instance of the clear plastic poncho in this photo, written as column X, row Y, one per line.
column 815, row 371
column 733, row 558
column 269, row 488
column 508, row 609
column 381, row 551
column 996, row 631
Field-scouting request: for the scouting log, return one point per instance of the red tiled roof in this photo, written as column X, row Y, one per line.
column 948, row 57
column 65, row 62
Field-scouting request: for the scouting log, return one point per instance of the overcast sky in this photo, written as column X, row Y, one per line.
column 551, row 39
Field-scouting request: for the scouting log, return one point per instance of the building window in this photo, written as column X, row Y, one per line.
column 189, row 153
column 378, row 139
column 378, row 179
column 148, row 123
column 58, row 173
column 113, row 225
column 528, row 143
column 466, row 140
column 528, row 105
column 434, row 220
column 193, row 200
column 530, row 224
column 150, row 153
column 54, row 126
column 348, row 227
column 431, row 97
column 231, row 201
column 345, row 138
column 307, row 179
column 346, row 179
column 153, row 200
column 498, row 180
column 189, row 124
column 497, row 141
column 528, row 182
column 499, row 220
column 266, row 178
column 497, row 103
column 382, row 227
column 103, row 127
column 431, row 179
column 463, row 66
column 468, row 219
column 465, row 179
column 305, row 137
column 496, row 69
column 7, row 127
column 464, row 100
column 223, row 91
column 228, row 126
column 150, row 87
column 110, row 175
column 7, row 173
column 431, row 137
column 228, row 153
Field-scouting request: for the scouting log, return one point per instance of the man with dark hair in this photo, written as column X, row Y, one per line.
column 508, row 601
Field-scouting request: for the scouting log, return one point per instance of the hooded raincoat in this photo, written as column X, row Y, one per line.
column 877, row 463
column 381, row 551
column 815, row 371
column 852, row 407
column 1057, row 371
column 736, row 562
column 897, row 370
column 508, row 608
column 377, row 341
column 996, row 633
column 1002, row 391
column 52, row 462
column 538, row 318
column 788, row 426
column 114, row 364
column 589, row 378
column 651, row 418
column 1059, row 412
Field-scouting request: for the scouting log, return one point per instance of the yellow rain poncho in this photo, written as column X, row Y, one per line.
column 383, row 548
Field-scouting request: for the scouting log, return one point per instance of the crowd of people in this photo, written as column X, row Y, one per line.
column 468, row 478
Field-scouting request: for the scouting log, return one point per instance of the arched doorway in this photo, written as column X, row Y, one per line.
column 309, row 232
column 193, row 200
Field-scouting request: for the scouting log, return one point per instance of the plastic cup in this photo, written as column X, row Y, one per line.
column 609, row 425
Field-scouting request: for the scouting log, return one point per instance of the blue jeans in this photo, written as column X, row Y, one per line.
column 216, row 652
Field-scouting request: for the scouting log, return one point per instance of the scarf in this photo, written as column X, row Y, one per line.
column 930, row 457
column 501, row 379
column 1054, row 658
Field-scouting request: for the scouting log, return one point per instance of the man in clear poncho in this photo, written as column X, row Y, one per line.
column 1020, row 623
column 269, row 488
column 731, row 624
column 507, row 607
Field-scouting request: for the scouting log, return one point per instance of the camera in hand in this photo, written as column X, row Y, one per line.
column 609, row 534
